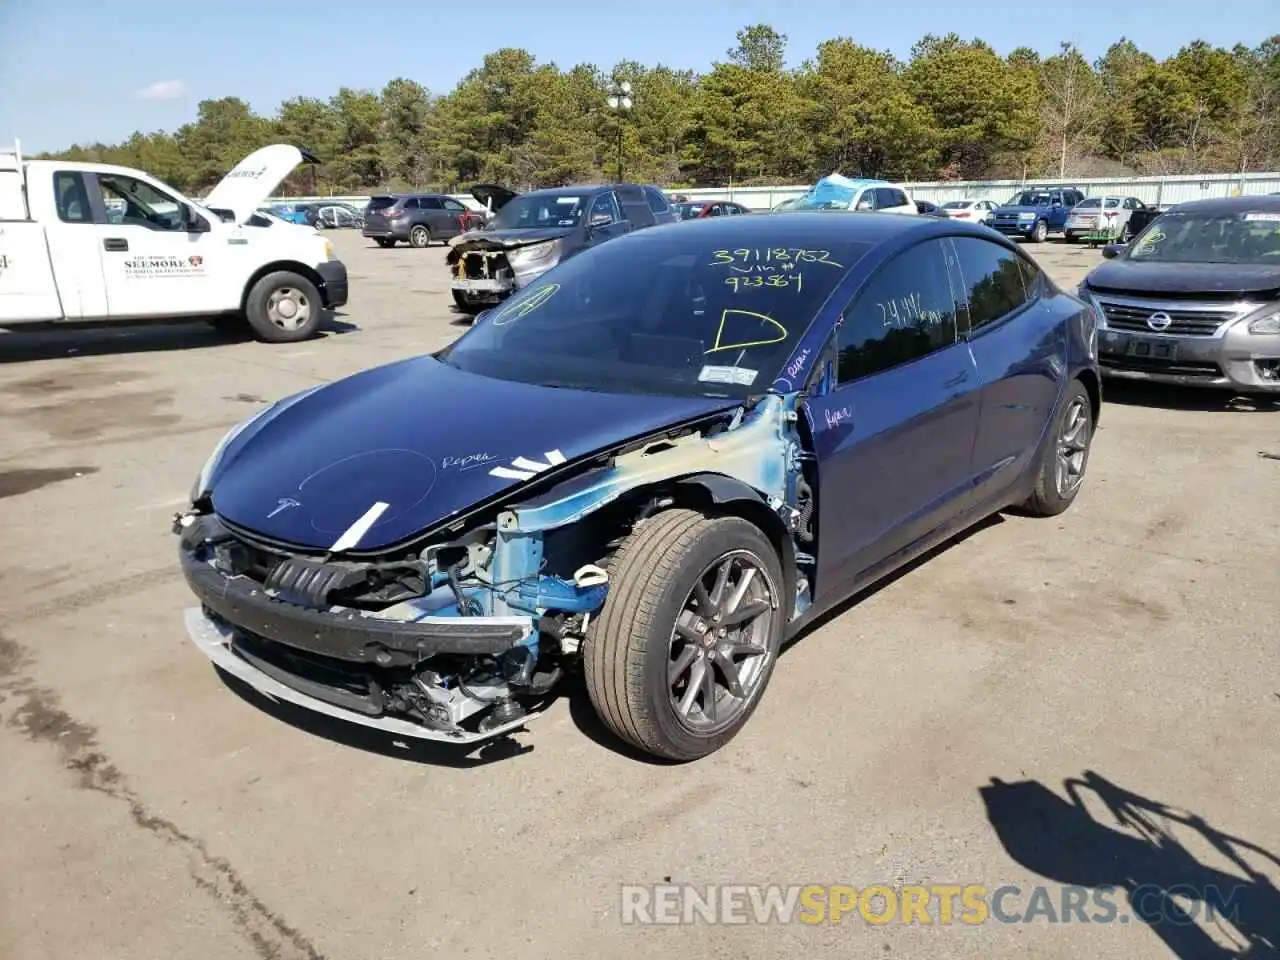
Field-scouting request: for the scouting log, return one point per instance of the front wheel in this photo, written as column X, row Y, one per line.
column 680, row 656
column 1066, row 455
column 1040, row 231
column 283, row 307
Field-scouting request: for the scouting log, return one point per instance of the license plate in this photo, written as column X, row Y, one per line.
column 1152, row 349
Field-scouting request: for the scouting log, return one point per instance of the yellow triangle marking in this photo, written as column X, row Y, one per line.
column 719, row 345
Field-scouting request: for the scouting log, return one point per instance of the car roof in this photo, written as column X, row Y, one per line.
column 1227, row 205
column 822, row 225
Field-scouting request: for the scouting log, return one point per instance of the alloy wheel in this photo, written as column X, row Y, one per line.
column 719, row 648
column 1073, row 447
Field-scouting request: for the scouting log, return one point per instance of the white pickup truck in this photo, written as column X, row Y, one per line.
column 92, row 243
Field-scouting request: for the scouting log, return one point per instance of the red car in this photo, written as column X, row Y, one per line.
column 693, row 209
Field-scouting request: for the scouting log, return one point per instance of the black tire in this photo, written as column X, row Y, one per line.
column 420, row 236
column 1068, row 238
column 1039, row 232
column 385, row 243
column 628, row 649
column 268, row 325
column 1049, row 498
column 466, row 303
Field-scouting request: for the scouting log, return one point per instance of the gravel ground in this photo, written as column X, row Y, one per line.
column 150, row 810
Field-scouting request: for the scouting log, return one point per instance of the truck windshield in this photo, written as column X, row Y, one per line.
column 1029, row 199
column 1236, row 238
column 663, row 313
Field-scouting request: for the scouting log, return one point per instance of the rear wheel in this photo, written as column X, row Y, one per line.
column 283, row 307
column 679, row 658
column 1065, row 457
column 420, row 236
column 384, row 242
column 1040, row 231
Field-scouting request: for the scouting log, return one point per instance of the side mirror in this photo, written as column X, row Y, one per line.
column 600, row 220
column 863, row 205
column 1112, row 250
column 192, row 221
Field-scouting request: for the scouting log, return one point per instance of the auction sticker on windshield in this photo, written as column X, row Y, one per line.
column 739, row 375
column 1262, row 216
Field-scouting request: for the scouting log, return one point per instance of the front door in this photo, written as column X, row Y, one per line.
column 894, row 437
column 151, row 264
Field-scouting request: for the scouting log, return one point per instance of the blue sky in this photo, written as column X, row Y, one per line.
column 98, row 71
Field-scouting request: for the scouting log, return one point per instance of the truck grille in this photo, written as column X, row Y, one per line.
column 1185, row 323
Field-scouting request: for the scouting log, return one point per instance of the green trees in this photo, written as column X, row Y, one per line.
column 954, row 109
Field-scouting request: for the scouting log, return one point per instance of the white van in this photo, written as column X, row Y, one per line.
column 92, row 242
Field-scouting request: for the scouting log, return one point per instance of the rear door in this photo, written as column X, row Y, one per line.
column 455, row 211
column 1016, row 331
column 635, row 206
column 894, row 438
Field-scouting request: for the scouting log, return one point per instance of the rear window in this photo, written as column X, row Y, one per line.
column 1090, row 204
column 956, row 204
column 657, row 201
column 1113, row 202
column 381, row 203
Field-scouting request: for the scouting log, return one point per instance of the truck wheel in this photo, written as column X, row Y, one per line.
column 1065, row 457
column 283, row 307
column 419, row 236
column 1040, row 231
column 678, row 659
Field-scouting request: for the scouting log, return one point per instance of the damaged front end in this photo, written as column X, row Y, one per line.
column 488, row 268
column 462, row 634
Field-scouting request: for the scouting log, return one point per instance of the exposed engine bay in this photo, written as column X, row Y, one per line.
column 464, row 633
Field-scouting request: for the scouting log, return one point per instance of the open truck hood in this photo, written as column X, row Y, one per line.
column 397, row 435
column 255, row 178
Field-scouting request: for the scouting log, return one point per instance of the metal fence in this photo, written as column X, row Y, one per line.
column 1158, row 191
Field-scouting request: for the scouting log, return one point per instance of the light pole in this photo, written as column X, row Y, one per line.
column 620, row 100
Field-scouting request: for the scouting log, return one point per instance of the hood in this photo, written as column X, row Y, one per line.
column 1226, row 281
column 492, row 195
column 1007, row 208
column 255, row 178
column 403, row 435
column 507, row 239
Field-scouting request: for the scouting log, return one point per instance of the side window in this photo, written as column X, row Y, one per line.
column 135, row 203
column 867, row 201
column 604, row 210
column 657, row 202
column 71, row 197
column 905, row 312
column 453, row 206
column 993, row 280
column 884, row 198
column 899, row 198
column 430, row 203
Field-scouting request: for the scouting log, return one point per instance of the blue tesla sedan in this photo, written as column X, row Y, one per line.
column 653, row 465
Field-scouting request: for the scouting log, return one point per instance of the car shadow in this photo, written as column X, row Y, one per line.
column 1137, row 393
column 428, row 752
column 1143, row 853
column 98, row 340
column 590, row 725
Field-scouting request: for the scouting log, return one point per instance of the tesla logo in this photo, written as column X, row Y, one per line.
column 1159, row 321
column 524, row 469
column 283, row 504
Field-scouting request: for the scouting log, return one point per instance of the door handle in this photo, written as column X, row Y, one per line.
column 115, row 244
column 958, row 379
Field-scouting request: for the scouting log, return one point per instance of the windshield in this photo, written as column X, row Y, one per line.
column 548, row 210
column 1031, row 198
column 662, row 312
column 1237, row 238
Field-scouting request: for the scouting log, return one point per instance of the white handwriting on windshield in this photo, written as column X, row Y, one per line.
column 902, row 312
column 785, row 257
column 793, row 281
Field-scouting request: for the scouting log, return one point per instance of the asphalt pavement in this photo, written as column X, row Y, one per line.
column 1087, row 701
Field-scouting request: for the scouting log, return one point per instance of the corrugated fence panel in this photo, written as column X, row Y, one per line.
column 1163, row 191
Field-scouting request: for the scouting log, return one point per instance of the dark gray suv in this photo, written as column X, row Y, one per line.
column 418, row 219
